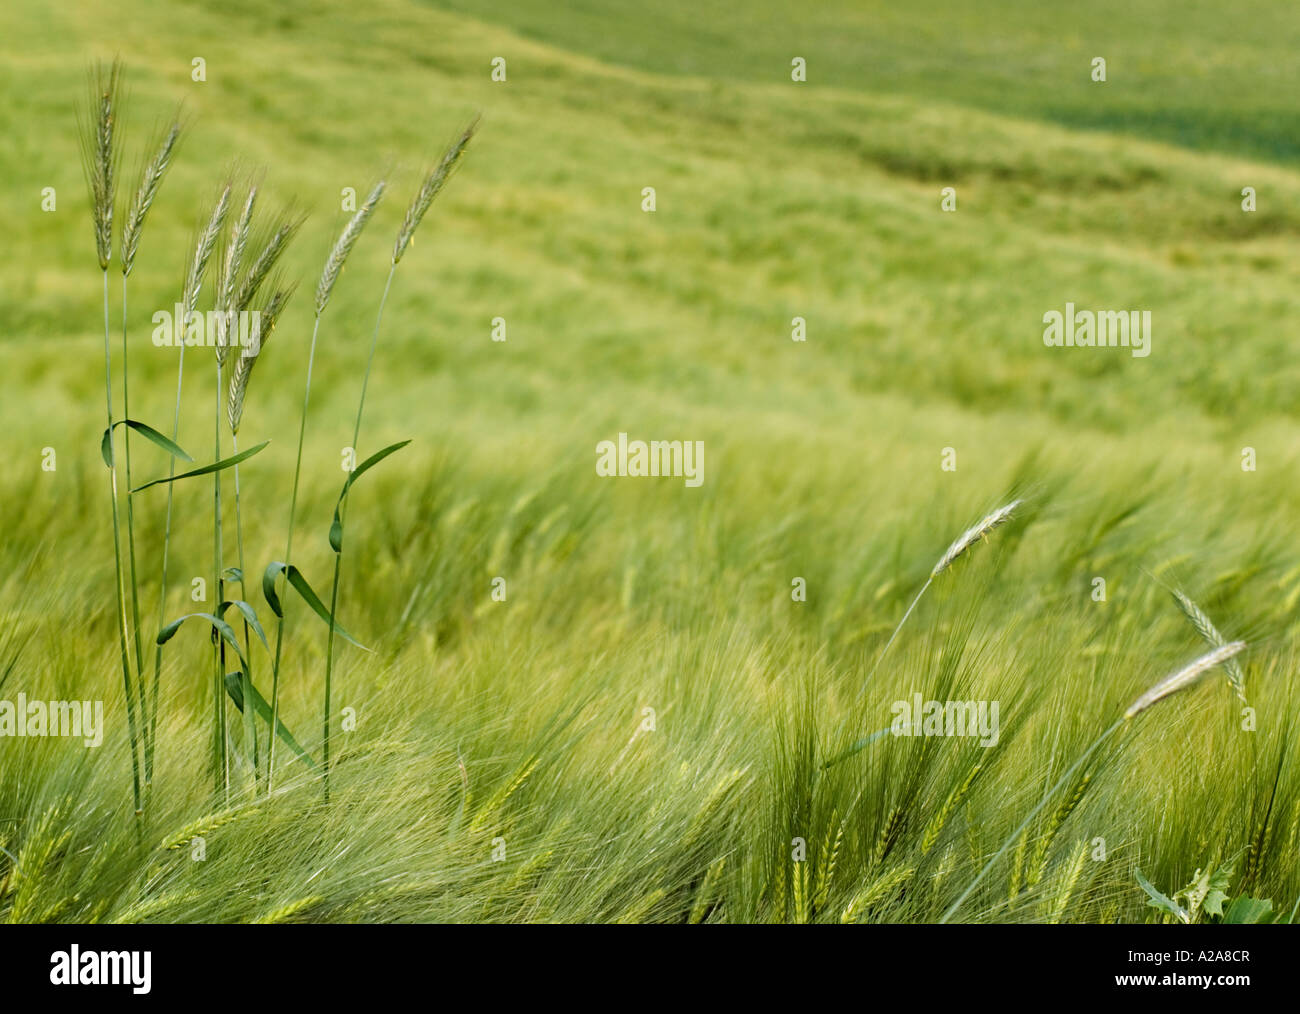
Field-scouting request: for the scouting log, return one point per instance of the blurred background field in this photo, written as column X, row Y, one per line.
column 819, row 200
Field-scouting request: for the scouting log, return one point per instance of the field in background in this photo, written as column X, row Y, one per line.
column 480, row 720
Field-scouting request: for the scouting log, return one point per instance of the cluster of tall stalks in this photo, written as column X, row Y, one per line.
column 238, row 259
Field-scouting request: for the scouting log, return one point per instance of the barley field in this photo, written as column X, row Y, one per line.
column 594, row 698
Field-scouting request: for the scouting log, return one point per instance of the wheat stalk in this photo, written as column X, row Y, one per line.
column 226, row 306
column 243, row 370
column 99, row 156
column 884, row 885
column 204, row 244
column 432, row 185
column 329, row 276
column 1065, row 889
column 151, row 177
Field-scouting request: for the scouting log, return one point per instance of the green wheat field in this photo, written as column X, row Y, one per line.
column 627, row 699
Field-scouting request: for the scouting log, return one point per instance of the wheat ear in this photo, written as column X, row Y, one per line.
column 1184, row 677
column 973, row 535
column 343, row 246
column 433, row 183
column 1211, row 634
column 229, row 270
column 151, row 177
column 281, row 234
column 244, row 364
column 99, row 153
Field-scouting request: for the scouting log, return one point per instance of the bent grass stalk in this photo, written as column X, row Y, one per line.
column 1171, row 684
column 977, row 532
column 959, row 547
column 324, row 288
column 429, row 189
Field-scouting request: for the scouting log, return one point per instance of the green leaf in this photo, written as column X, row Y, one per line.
column 336, row 527
column 249, row 614
column 148, row 432
column 857, row 747
column 235, row 688
column 234, row 574
column 1208, row 891
column 216, row 466
column 221, row 626
column 1161, row 901
column 300, row 585
column 1244, row 910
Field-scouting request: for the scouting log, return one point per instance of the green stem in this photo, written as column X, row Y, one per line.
column 130, row 539
column 338, row 556
column 117, row 559
column 250, row 728
column 162, row 589
column 885, row 650
column 1032, row 814
column 220, row 753
column 288, row 559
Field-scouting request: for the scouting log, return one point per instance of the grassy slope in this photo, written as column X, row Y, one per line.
column 1178, row 71
column 774, row 201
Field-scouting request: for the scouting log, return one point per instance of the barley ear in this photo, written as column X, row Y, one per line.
column 1211, row 634
column 1184, row 677
column 282, row 232
column 204, row 244
column 244, row 364
column 973, row 534
column 343, row 246
column 151, row 177
column 99, row 152
column 230, row 262
column 433, row 183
